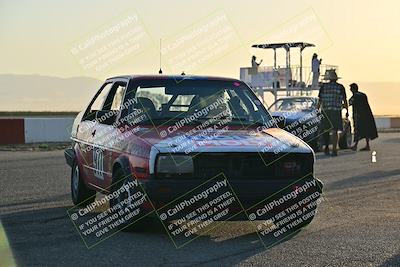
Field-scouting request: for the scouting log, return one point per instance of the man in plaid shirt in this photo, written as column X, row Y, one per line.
column 332, row 98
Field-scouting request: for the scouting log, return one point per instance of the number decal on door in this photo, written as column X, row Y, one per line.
column 98, row 159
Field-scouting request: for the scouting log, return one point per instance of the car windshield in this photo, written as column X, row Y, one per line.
column 195, row 101
column 293, row 104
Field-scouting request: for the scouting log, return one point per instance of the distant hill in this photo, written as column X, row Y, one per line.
column 44, row 93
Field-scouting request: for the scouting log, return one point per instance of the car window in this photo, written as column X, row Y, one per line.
column 198, row 100
column 118, row 96
column 181, row 103
column 154, row 94
column 293, row 104
column 101, row 98
column 108, row 99
column 242, row 108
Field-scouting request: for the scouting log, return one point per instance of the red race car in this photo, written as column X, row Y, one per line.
column 172, row 134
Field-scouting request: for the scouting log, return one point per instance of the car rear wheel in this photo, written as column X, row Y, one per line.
column 80, row 194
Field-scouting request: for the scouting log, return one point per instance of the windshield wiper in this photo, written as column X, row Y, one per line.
column 167, row 120
column 215, row 121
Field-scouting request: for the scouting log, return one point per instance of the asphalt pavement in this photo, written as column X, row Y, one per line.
column 358, row 224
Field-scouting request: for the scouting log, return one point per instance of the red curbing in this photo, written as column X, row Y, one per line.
column 12, row 131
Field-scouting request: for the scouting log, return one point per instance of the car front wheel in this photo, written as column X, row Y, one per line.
column 122, row 203
column 81, row 195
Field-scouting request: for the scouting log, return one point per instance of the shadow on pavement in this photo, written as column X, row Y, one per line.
column 47, row 237
column 341, row 153
column 394, row 261
column 363, row 179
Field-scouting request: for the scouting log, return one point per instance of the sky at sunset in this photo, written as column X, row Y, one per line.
column 99, row 39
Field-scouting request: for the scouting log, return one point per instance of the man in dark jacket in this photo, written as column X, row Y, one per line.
column 364, row 123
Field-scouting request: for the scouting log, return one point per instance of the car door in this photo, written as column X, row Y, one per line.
column 107, row 135
column 86, row 133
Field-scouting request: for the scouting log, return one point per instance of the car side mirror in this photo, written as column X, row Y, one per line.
column 106, row 116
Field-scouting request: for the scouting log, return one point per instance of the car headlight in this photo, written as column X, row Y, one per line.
column 174, row 164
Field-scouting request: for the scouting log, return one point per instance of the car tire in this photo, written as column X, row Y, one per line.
column 80, row 194
column 346, row 140
column 119, row 180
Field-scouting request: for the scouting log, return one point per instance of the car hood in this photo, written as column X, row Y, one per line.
column 272, row 140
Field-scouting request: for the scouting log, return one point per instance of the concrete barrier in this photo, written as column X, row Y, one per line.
column 395, row 122
column 35, row 130
column 387, row 122
column 58, row 129
column 383, row 122
column 47, row 129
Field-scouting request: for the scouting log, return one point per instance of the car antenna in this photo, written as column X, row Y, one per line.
column 160, row 71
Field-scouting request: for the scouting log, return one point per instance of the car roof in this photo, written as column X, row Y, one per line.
column 174, row 77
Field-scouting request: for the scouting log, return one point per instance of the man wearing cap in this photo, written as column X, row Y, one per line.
column 332, row 98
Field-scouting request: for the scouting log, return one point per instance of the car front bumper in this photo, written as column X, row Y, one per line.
column 250, row 193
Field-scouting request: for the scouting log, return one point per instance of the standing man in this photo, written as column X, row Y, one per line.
column 254, row 63
column 364, row 123
column 315, row 63
column 332, row 98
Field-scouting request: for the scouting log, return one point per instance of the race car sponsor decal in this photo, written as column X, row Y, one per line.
column 98, row 163
column 217, row 139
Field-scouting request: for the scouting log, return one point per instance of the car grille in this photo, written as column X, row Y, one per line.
column 253, row 166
